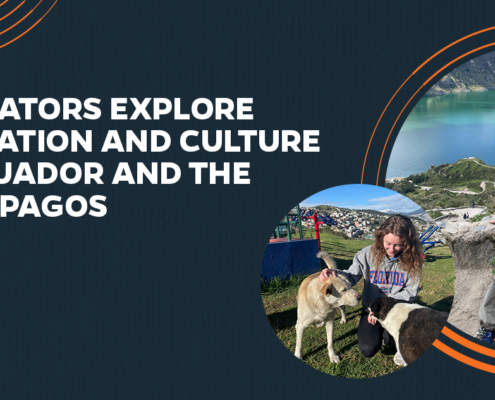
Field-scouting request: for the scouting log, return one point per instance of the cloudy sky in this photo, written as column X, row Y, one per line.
column 364, row 197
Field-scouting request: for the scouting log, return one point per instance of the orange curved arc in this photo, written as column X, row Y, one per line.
column 13, row 10
column 409, row 77
column 462, row 358
column 3, row 3
column 376, row 126
column 467, row 343
column 22, row 19
column 26, row 31
column 428, row 80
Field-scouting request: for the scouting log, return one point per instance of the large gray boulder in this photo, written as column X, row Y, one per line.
column 473, row 248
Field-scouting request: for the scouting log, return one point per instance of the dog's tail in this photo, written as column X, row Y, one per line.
column 328, row 259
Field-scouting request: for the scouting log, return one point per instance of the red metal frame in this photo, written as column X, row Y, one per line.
column 317, row 228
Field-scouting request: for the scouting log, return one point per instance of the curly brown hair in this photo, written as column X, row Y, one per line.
column 410, row 257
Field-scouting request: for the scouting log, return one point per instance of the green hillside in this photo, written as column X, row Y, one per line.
column 444, row 178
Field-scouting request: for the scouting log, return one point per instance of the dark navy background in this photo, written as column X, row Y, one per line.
column 160, row 298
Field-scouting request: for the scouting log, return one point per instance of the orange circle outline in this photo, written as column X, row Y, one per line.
column 22, row 19
column 429, row 79
column 462, row 358
column 468, row 343
column 12, row 10
column 409, row 77
column 446, row 331
column 26, row 31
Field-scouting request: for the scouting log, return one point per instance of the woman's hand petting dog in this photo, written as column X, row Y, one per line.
column 372, row 321
column 326, row 273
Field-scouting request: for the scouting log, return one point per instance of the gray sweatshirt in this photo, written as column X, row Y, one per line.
column 386, row 280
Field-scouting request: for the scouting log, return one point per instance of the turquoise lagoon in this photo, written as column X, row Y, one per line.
column 445, row 129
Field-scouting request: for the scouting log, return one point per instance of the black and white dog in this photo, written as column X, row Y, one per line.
column 413, row 327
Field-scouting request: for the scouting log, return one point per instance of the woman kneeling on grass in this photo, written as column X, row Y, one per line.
column 390, row 267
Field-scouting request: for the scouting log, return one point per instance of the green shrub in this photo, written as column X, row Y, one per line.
column 479, row 217
column 435, row 214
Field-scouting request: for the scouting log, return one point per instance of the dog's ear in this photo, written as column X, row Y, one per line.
column 326, row 289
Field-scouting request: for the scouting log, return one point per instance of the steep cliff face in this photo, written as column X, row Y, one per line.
column 476, row 75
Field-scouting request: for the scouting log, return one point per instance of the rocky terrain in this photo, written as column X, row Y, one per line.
column 475, row 75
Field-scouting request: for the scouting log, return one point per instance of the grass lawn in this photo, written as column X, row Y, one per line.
column 279, row 299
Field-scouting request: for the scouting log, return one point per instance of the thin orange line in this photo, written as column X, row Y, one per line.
column 416, row 70
column 22, row 19
column 3, row 3
column 458, row 58
column 13, row 10
column 22, row 34
column 376, row 126
column 467, row 343
column 388, row 137
column 462, row 358
column 431, row 77
column 450, row 45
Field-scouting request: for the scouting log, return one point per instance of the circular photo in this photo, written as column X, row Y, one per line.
column 356, row 281
column 444, row 160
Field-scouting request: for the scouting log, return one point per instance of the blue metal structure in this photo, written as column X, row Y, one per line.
column 424, row 238
column 326, row 219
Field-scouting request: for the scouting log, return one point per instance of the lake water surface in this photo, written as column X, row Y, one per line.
column 445, row 129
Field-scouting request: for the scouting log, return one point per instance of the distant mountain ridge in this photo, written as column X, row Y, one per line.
column 421, row 214
column 476, row 75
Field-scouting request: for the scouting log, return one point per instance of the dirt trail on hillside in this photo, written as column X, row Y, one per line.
column 465, row 191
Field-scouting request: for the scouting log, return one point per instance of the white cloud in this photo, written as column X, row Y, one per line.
column 396, row 202
column 393, row 198
column 322, row 203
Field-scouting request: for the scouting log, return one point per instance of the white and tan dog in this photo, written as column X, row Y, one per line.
column 413, row 327
column 317, row 303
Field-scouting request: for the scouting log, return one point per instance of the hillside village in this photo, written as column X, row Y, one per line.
column 359, row 224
